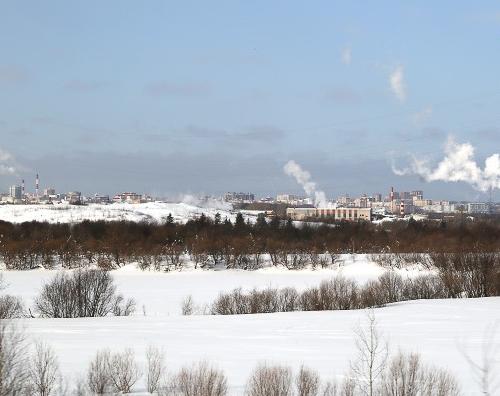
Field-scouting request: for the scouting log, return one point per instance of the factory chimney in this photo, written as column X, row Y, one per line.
column 37, row 185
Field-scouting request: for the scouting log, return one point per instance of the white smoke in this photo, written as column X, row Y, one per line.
column 303, row 177
column 7, row 163
column 458, row 165
column 397, row 83
column 346, row 56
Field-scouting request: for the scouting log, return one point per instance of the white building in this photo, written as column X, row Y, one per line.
column 15, row 192
column 478, row 207
column 337, row 214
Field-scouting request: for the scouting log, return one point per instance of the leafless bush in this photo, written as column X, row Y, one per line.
column 11, row 307
column 334, row 294
column 187, row 305
column 201, row 379
column 122, row 307
column 13, row 360
column 43, row 371
column 391, row 286
column 270, row 381
column 98, row 379
column 123, row 371
column 307, row 382
column 424, row 287
column 288, row 299
column 406, row 375
column 155, row 367
column 83, row 293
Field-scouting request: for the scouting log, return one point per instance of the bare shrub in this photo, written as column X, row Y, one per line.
column 43, row 371
column 187, row 306
column 155, row 367
column 13, row 360
column 406, row 375
column 200, row 379
column 391, row 286
column 122, row 307
column 83, row 293
column 288, row 299
column 98, row 379
column 307, row 382
column 123, row 371
column 11, row 307
column 270, row 381
column 424, row 287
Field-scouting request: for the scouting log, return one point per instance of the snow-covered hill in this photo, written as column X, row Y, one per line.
column 149, row 212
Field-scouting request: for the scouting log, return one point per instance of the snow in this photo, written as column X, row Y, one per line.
column 162, row 293
column 149, row 212
column 438, row 329
column 321, row 340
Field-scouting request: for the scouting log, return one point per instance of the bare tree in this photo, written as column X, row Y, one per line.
column 270, row 381
column 13, row 361
column 123, row 371
column 307, row 382
column 485, row 371
column 98, row 379
column 43, row 370
column 198, row 380
column 11, row 307
column 187, row 305
column 83, row 293
column 155, row 367
column 372, row 356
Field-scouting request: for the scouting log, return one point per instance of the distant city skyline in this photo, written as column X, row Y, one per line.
column 177, row 98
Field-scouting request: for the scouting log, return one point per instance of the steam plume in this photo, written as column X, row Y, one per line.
column 7, row 166
column 458, row 165
column 303, row 177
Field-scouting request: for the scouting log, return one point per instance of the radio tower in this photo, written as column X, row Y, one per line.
column 37, row 186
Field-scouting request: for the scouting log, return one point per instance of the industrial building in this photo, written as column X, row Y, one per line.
column 336, row 214
column 239, row 197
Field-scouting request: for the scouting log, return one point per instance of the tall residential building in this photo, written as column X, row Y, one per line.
column 15, row 192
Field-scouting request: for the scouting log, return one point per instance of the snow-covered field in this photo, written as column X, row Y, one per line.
column 149, row 212
column 437, row 329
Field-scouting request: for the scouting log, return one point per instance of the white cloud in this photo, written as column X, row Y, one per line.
column 346, row 56
column 458, row 165
column 397, row 83
column 422, row 115
column 7, row 163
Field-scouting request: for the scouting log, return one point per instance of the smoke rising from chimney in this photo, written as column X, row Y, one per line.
column 458, row 165
column 303, row 178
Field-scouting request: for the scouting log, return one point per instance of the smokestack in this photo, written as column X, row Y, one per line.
column 37, row 185
column 392, row 194
column 22, row 187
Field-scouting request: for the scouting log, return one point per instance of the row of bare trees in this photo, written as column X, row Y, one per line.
column 216, row 242
column 340, row 293
column 34, row 370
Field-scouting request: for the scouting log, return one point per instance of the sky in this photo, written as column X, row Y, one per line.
column 171, row 98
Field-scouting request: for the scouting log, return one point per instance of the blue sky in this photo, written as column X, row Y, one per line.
column 177, row 97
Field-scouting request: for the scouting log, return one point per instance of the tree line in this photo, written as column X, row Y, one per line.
column 239, row 244
column 33, row 369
